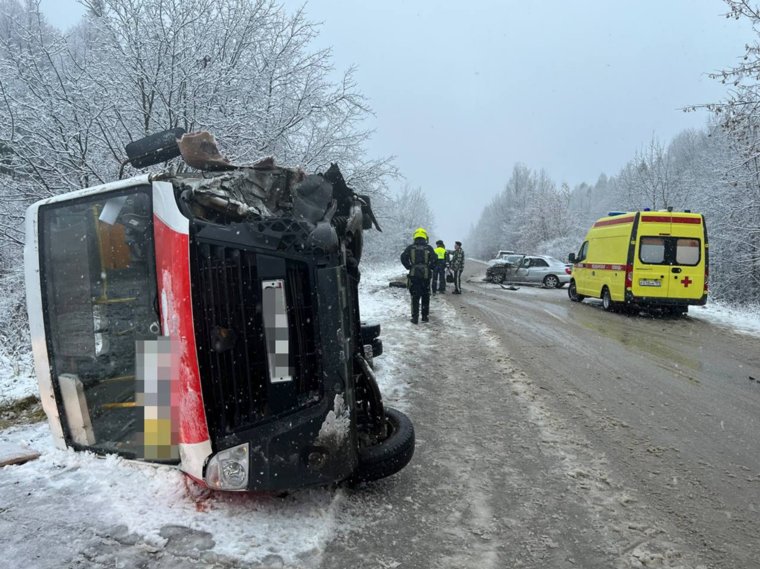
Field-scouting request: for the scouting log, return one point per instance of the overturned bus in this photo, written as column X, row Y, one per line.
column 210, row 319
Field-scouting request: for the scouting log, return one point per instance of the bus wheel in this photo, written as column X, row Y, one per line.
column 572, row 293
column 389, row 455
column 607, row 303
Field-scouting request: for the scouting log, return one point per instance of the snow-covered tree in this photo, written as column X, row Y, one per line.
column 243, row 69
column 738, row 115
column 527, row 213
column 732, row 209
column 399, row 216
column 647, row 180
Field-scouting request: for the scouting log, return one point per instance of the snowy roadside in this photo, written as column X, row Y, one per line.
column 114, row 499
column 743, row 321
column 142, row 510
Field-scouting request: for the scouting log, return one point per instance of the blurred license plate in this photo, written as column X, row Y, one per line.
column 649, row 282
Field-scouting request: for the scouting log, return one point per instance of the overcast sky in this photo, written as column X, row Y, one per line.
column 463, row 90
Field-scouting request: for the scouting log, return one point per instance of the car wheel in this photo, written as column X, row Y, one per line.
column 390, row 455
column 572, row 293
column 551, row 281
column 607, row 303
column 502, row 278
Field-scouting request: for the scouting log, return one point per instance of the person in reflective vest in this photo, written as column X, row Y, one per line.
column 442, row 261
column 419, row 259
column 457, row 266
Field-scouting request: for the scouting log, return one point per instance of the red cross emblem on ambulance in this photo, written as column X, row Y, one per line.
column 686, row 281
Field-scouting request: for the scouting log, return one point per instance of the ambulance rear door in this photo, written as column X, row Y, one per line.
column 651, row 267
column 688, row 258
column 670, row 260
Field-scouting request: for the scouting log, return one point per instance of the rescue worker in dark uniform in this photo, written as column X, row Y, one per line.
column 419, row 259
column 442, row 261
column 457, row 266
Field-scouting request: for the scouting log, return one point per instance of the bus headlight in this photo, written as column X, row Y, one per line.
column 228, row 469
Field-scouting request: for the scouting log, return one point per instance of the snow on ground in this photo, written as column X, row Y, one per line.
column 390, row 308
column 744, row 321
column 141, row 499
column 103, row 493
column 17, row 377
column 88, row 491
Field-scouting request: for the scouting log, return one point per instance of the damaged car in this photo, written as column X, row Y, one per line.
column 210, row 319
column 541, row 270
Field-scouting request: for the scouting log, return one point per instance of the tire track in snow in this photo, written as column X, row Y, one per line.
column 621, row 515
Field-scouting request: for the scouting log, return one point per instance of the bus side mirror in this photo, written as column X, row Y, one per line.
column 571, row 257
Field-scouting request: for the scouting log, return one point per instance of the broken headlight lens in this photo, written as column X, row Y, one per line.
column 228, row 469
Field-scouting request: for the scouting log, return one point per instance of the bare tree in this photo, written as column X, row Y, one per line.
column 647, row 180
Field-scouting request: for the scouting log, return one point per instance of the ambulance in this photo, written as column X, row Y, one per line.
column 643, row 260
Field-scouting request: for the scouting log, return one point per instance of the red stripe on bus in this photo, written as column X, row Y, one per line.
column 614, row 221
column 670, row 219
column 600, row 266
column 173, row 276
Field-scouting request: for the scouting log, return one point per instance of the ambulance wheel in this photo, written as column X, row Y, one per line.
column 390, row 455
column 607, row 303
column 572, row 293
column 551, row 281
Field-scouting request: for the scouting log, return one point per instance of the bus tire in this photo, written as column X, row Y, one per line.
column 607, row 302
column 572, row 293
column 390, row 455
